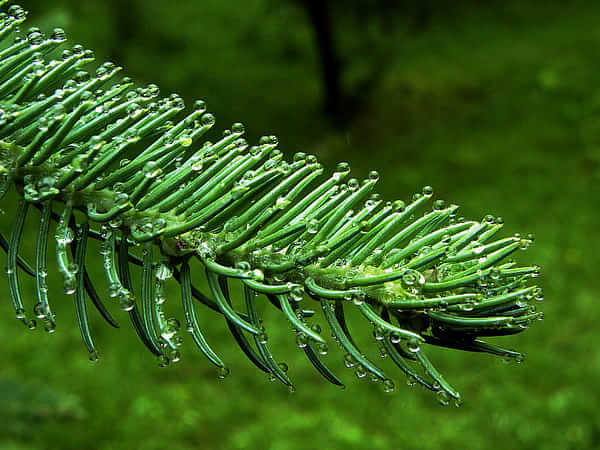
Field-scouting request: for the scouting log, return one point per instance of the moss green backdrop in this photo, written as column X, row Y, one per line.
column 496, row 106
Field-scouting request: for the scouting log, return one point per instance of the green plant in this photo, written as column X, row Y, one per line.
column 247, row 215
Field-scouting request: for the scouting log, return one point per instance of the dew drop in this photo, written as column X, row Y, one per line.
column 313, row 226
column 58, row 35
column 163, row 361
column 353, row 184
column 207, row 119
column 398, row 206
column 301, row 340
column 388, row 385
column 20, row 314
column 35, row 38
column 379, row 333
column 296, row 293
column 489, row 219
column 17, row 12
column 322, row 348
column 413, row 346
column 126, row 302
column 40, row 311
column 438, row 205
column 93, row 356
column 200, row 106
column 442, row 397
column 374, row 175
column 360, row 372
column 349, row 361
column 49, row 326
column 358, row 298
column 163, row 272
column 151, row 169
column 238, row 128
column 223, row 372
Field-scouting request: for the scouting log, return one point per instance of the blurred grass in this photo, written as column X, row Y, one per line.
column 499, row 109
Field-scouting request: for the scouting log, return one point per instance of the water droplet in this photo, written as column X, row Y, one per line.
column 207, row 120
column 93, row 356
column 282, row 202
column 223, row 372
column 257, row 275
column 126, row 302
column 538, row 294
column 163, row 272
column 59, row 111
column 413, row 278
column 413, row 345
column 388, row 385
column 40, row 311
column 35, row 38
column 238, row 127
column 442, row 397
column 322, row 348
column 17, row 12
column 49, row 326
column 360, row 372
column 427, row 191
column 353, row 184
column 379, row 333
column 175, row 356
column 121, row 199
column 438, row 205
column 349, row 361
column 200, row 106
column 262, row 338
column 398, row 206
column 69, row 285
column 163, row 361
column 296, row 293
column 312, row 226
column 58, row 35
column 467, row 306
column 301, row 340
column 151, row 169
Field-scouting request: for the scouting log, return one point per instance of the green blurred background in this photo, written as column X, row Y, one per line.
column 496, row 104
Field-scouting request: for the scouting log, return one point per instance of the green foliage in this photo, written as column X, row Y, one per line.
column 118, row 164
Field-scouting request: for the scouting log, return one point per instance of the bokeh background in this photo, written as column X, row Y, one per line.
column 496, row 104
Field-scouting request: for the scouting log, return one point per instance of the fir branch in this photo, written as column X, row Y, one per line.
column 419, row 278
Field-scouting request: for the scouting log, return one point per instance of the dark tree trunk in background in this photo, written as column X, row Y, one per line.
column 319, row 14
column 126, row 27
